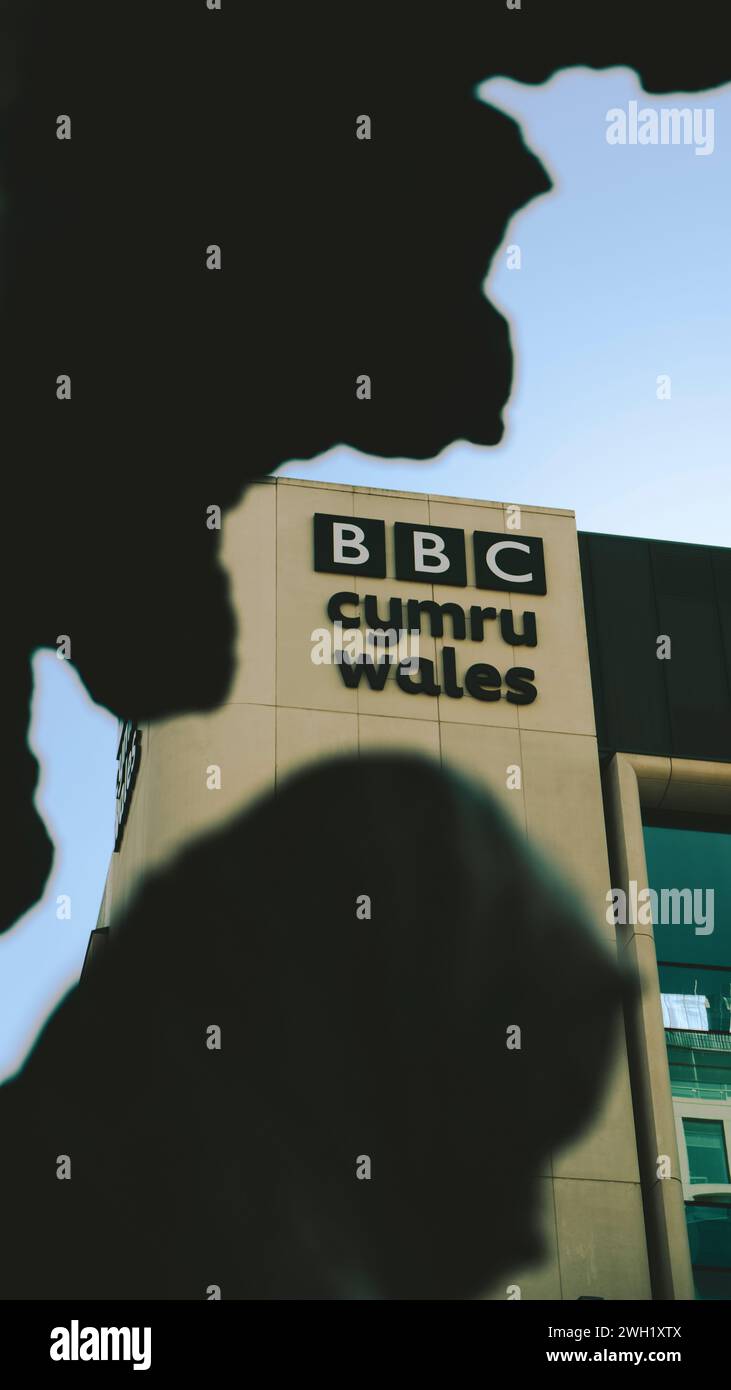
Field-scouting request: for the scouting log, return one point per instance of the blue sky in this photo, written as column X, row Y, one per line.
column 624, row 277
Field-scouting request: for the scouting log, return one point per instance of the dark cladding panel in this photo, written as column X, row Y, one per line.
column 629, row 691
column 721, row 561
column 697, row 684
column 592, row 638
column 636, row 591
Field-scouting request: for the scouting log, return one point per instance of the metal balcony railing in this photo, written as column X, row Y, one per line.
column 701, row 1090
column 706, row 1042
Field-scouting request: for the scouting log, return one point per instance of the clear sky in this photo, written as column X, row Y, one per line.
column 624, row 277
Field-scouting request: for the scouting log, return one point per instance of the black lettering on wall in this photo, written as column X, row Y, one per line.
column 477, row 623
column 370, row 610
column 520, row 691
column 376, row 673
column 449, row 667
column 334, row 609
column 436, row 613
column 483, row 682
column 515, row 565
column 431, row 554
column 350, row 545
column 527, row 638
column 426, row 686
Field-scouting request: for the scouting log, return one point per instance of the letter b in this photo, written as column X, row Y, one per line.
column 344, row 544
column 436, row 552
column 348, row 547
column 429, row 554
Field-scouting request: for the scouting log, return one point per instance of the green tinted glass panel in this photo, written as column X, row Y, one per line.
column 700, row 1071
column 709, row 1234
column 706, row 1147
column 696, row 860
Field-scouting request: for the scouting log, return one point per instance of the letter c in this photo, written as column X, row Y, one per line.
column 493, row 565
column 334, row 609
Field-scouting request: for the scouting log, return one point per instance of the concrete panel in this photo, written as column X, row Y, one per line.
column 302, row 597
column 601, row 1240
column 307, row 736
column 543, row 1279
column 398, row 735
column 653, row 777
column 237, row 738
column 656, row 1133
column 249, row 554
column 486, row 754
column 469, row 515
column 698, row 787
column 655, row 1123
column 561, row 658
column 607, row 1150
column 564, row 811
column 668, row 1241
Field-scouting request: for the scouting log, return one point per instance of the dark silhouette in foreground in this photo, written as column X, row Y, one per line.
column 341, row 1038
column 192, row 128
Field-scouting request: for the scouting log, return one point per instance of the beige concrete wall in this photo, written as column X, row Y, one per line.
column 656, row 1135
column 284, row 711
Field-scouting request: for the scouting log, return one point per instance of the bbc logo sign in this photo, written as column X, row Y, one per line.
column 429, row 554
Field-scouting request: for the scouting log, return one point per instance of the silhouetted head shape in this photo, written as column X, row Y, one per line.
column 191, row 130
column 368, row 941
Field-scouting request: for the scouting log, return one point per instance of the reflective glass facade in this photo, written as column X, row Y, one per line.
column 692, row 929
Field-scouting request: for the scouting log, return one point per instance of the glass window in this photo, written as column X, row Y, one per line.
column 684, row 866
column 695, row 998
column 690, row 872
column 706, row 1147
column 697, row 1067
column 695, row 860
column 709, row 1234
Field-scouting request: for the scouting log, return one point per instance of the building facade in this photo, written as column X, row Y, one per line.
column 531, row 658
column 659, row 629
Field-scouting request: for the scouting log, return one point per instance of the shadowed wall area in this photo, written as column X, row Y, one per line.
column 192, row 128
column 342, row 1036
